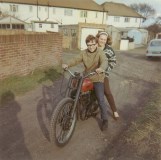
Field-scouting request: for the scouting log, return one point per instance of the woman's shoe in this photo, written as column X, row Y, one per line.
column 115, row 115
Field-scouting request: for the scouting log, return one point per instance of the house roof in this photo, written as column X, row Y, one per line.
column 11, row 19
column 119, row 9
column 76, row 4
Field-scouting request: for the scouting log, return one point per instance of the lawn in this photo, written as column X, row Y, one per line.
column 19, row 85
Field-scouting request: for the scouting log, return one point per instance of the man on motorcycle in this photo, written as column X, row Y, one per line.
column 94, row 60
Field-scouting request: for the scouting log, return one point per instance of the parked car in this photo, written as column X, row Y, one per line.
column 154, row 48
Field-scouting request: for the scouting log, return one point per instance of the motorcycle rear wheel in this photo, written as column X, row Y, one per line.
column 62, row 120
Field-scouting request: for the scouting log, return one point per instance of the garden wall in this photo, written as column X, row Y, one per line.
column 22, row 53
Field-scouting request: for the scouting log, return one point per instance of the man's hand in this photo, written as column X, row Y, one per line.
column 99, row 70
column 64, row 66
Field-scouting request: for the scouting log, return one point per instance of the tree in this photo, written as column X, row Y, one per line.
column 154, row 28
column 144, row 9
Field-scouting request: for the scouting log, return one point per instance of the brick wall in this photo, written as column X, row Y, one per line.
column 21, row 54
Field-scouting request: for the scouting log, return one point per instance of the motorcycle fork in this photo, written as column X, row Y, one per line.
column 76, row 101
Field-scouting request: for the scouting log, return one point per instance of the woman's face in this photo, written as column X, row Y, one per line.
column 102, row 40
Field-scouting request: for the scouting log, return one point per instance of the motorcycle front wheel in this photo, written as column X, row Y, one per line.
column 62, row 123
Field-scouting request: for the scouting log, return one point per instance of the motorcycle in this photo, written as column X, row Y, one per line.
column 79, row 103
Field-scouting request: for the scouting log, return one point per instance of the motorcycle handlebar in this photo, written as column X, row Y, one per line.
column 89, row 74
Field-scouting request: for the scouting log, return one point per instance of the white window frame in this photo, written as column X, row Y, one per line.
column 40, row 25
column 14, row 8
column 65, row 32
column 68, row 12
column 73, row 32
column 96, row 15
column 54, row 10
column 83, row 14
column 127, row 19
column 30, row 8
column 116, row 19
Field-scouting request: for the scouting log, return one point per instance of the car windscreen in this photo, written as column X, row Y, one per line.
column 155, row 43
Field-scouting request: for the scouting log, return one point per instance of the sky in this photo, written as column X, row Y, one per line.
column 156, row 4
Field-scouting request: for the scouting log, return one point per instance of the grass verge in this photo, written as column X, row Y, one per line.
column 19, row 85
column 145, row 133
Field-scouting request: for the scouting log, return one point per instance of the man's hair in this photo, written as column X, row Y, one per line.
column 90, row 38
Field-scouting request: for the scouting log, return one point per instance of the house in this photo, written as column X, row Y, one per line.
column 72, row 12
column 10, row 22
column 61, row 11
column 44, row 26
column 120, row 15
column 47, row 15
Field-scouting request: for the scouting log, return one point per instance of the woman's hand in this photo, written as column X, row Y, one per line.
column 99, row 70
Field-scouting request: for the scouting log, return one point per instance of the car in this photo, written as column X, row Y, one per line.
column 154, row 48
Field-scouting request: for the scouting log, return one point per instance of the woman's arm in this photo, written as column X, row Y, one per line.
column 110, row 54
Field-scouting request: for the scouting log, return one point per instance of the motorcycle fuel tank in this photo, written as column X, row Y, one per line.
column 87, row 85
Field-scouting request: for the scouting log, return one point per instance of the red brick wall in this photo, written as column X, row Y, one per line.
column 23, row 53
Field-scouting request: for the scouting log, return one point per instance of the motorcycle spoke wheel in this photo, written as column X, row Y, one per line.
column 62, row 122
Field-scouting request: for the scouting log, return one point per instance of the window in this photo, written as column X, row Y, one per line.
column 106, row 16
column 96, row 15
column 8, row 26
column 18, row 26
column 22, row 26
column 68, row 12
column 54, row 10
column 52, row 25
column 46, row 9
column 5, row 26
column 116, row 19
column 40, row 25
column 39, row 8
column 83, row 14
column 73, row 32
column 135, row 20
column 30, row 8
column 127, row 19
column 65, row 32
column 14, row 8
column 155, row 43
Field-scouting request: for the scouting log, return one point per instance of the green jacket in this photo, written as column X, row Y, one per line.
column 91, row 61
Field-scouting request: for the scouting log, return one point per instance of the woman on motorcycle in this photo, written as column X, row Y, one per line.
column 104, row 42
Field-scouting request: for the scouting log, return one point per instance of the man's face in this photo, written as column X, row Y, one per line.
column 92, row 45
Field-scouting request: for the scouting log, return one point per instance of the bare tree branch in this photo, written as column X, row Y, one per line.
column 144, row 9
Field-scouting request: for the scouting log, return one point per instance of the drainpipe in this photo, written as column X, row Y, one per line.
column 48, row 13
column 38, row 11
column 103, row 16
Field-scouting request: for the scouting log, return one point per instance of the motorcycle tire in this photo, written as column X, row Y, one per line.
column 61, row 118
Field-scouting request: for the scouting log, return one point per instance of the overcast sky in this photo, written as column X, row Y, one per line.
column 156, row 4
